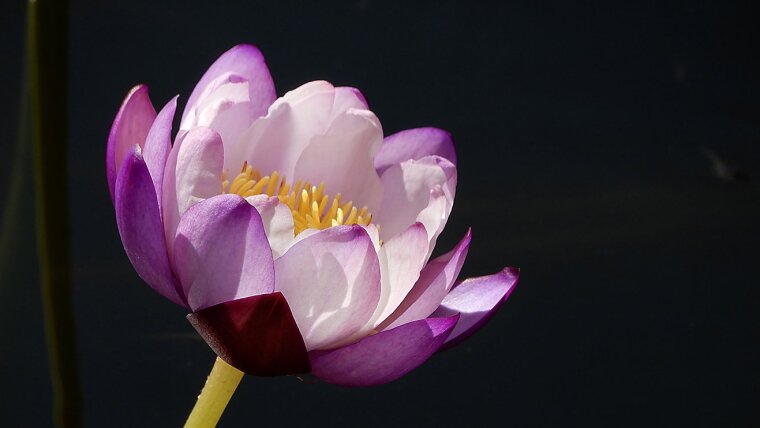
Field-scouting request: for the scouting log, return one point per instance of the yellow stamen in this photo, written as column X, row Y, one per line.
column 259, row 187
column 351, row 216
column 311, row 207
column 273, row 180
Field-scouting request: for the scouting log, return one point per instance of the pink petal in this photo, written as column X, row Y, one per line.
column 383, row 357
column 158, row 144
column 129, row 129
column 342, row 158
column 414, row 144
column 374, row 235
column 193, row 173
column 278, row 222
column 401, row 259
column 433, row 285
column 347, row 97
column 221, row 252
column 255, row 334
column 332, row 282
column 245, row 63
column 139, row 223
column 476, row 300
column 417, row 190
column 276, row 141
column 228, row 111
column 435, row 215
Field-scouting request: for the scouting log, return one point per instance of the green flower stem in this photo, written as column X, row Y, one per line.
column 220, row 385
column 47, row 44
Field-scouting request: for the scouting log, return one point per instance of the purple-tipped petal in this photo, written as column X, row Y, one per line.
column 476, row 300
column 414, row 144
column 244, row 62
column 129, row 129
column 139, row 223
column 221, row 252
column 332, row 281
column 158, row 144
column 256, row 334
column 432, row 287
column 383, row 357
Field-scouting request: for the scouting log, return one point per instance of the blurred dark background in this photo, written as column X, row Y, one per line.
column 609, row 149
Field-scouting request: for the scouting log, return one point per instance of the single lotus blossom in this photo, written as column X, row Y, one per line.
column 297, row 236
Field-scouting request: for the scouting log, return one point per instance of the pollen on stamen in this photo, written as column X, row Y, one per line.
column 311, row 207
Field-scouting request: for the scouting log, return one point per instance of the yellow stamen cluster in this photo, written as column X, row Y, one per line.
column 312, row 208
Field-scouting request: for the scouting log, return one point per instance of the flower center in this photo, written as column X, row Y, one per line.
column 312, row 208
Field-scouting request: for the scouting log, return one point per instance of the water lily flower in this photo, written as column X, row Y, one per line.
column 296, row 235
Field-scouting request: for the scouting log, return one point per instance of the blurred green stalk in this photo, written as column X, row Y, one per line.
column 47, row 50
column 12, row 215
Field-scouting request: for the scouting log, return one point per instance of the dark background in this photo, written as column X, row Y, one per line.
column 580, row 131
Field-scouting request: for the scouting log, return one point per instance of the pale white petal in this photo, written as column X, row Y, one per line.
column 417, row 191
column 342, row 158
column 331, row 281
column 278, row 222
column 193, row 173
column 401, row 260
column 276, row 141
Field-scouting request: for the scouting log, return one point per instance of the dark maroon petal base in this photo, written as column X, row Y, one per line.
column 256, row 334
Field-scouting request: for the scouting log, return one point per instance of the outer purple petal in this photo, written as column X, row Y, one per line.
column 414, row 144
column 130, row 127
column 431, row 288
column 246, row 62
column 158, row 144
column 139, row 222
column 221, row 252
column 476, row 300
column 383, row 357
column 256, row 334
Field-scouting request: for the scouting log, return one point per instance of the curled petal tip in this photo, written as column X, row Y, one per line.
column 476, row 300
column 246, row 46
column 130, row 127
